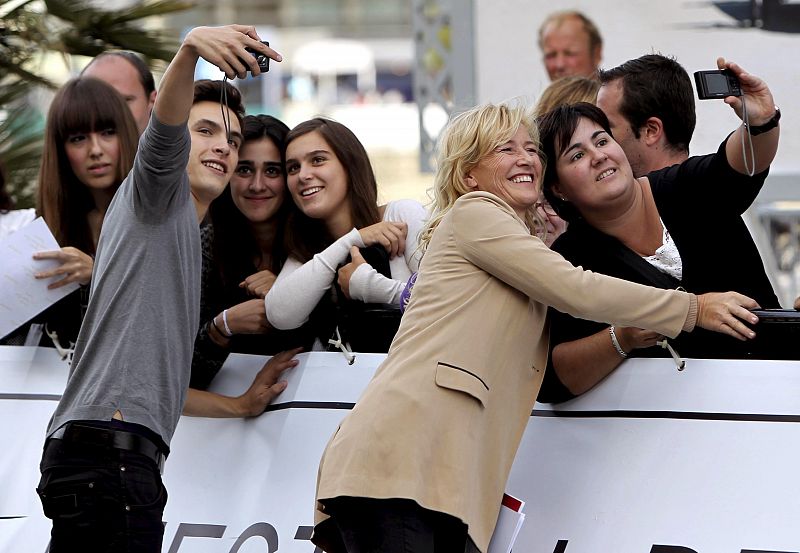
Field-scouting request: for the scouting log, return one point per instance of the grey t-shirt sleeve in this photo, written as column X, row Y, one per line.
column 163, row 153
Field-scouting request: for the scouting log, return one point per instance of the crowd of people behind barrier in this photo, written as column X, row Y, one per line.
column 232, row 233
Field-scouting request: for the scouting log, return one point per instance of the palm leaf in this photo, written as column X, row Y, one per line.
column 66, row 27
column 21, row 150
column 93, row 31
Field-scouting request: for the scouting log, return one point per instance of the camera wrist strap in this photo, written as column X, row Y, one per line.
column 751, row 170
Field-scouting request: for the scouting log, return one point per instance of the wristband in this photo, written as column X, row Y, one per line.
column 615, row 342
column 755, row 130
column 228, row 332
column 214, row 322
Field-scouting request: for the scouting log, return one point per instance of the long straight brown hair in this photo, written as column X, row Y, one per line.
column 306, row 236
column 82, row 105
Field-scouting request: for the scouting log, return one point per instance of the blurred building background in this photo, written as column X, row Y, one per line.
column 351, row 60
column 394, row 70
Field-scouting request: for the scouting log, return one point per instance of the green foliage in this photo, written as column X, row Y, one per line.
column 30, row 29
column 21, row 149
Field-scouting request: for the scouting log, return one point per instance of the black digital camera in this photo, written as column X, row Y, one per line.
column 713, row 85
column 262, row 59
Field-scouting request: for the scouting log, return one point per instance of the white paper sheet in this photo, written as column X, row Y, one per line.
column 509, row 523
column 21, row 295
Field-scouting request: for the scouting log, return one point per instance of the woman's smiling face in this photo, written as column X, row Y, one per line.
column 257, row 185
column 592, row 170
column 512, row 172
column 317, row 179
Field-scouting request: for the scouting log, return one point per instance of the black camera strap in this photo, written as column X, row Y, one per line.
column 223, row 106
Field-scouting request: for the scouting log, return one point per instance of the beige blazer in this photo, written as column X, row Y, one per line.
column 441, row 420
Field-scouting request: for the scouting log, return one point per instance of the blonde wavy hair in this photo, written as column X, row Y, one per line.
column 468, row 138
column 567, row 91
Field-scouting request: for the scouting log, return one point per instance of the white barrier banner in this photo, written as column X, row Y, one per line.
column 651, row 461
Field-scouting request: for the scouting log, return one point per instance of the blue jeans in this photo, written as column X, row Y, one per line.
column 101, row 499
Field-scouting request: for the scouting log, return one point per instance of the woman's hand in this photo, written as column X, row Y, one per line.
column 249, row 317
column 389, row 234
column 555, row 225
column 346, row 271
column 724, row 312
column 631, row 338
column 266, row 385
column 76, row 266
column 258, row 284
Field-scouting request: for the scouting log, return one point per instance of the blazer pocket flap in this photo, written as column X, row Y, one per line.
column 462, row 380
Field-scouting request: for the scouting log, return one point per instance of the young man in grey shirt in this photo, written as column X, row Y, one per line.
column 110, row 433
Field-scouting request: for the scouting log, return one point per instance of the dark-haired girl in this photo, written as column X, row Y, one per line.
column 333, row 186
column 242, row 254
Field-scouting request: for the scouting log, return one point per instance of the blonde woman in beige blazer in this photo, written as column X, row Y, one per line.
column 421, row 462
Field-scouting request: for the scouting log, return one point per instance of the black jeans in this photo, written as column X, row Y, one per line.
column 101, row 499
column 395, row 526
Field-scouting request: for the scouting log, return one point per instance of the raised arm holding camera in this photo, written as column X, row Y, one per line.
column 676, row 226
column 762, row 124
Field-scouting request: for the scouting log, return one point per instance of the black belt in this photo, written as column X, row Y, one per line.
column 114, row 437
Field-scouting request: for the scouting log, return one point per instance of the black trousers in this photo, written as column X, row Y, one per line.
column 368, row 525
column 101, row 499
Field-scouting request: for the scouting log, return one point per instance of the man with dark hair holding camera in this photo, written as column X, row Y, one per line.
column 649, row 102
column 111, row 430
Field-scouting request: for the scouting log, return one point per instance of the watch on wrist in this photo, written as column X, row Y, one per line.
column 755, row 130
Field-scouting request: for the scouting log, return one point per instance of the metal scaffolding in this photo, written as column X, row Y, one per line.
column 444, row 66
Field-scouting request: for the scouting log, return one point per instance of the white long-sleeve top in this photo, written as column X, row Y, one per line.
column 300, row 286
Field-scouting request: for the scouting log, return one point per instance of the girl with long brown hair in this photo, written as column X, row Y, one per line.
column 333, row 186
column 90, row 143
